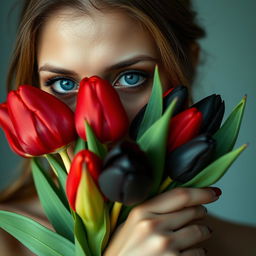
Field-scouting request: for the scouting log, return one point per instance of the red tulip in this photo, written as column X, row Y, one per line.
column 86, row 199
column 35, row 122
column 82, row 181
column 98, row 103
column 184, row 127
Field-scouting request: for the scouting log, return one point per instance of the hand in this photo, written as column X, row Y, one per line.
column 162, row 225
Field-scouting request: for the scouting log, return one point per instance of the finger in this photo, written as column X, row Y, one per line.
column 194, row 252
column 180, row 218
column 189, row 236
column 179, row 198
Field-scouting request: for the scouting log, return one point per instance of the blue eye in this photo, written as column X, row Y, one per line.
column 130, row 79
column 62, row 85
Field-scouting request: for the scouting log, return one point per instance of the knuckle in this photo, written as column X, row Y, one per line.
column 147, row 225
column 183, row 195
column 136, row 213
column 162, row 243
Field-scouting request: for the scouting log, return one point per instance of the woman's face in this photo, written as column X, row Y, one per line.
column 110, row 45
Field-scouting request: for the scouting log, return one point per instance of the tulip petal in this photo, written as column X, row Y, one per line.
column 114, row 113
column 84, row 160
column 92, row 105
column 89, row 201
column 127, row 174
column 213, row 172
column 73, row 180
column 25, row 128
column 215, row 123
column 53, row 113
column 98, row 103
column 184, row 127
column 7, row 126
column 187, row 160
column 181, row 92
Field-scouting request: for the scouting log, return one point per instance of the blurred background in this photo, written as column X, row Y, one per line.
column 228, row 68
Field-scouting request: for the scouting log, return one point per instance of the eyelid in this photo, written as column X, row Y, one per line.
column 53, row 79
column 50, row 83
column 140, row 72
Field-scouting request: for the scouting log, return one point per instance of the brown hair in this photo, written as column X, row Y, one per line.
column 171, row 22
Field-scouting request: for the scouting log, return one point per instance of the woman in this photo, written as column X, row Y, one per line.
column 62, row 41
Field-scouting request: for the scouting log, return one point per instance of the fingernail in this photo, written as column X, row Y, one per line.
column 217, row 191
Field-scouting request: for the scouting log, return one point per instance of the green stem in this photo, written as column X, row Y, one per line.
column 65, row 158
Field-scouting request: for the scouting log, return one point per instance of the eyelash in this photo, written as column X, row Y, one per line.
column 141, row 73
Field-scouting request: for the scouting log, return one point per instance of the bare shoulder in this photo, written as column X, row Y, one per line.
column 230, row 238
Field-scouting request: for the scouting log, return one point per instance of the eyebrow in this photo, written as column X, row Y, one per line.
column 122, row 64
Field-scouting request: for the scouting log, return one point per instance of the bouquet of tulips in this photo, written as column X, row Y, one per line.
column 115, row 167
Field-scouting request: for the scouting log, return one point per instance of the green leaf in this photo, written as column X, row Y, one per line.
column 59, row 169
column 55, row 210
column 213, row 172
column 98, row 237
column 34, row 236
column 80, row 145
column 106, row 228
column 226, row 136
column 79, row 249
column 153, row 142
column 154, row 107
column 94, row 144
column 81, row 242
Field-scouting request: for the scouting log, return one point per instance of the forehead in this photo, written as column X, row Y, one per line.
column 96, row 39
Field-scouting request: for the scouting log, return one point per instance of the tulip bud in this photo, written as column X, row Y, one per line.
column 212, row 108
column 127, row 174
column 82, row 186
column 98, row 103
column 186, row 161
column 35, row 122
column 184, row 127
column 179, row 92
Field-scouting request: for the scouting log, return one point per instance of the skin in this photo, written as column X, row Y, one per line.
column 175, row 222
column 85, row 46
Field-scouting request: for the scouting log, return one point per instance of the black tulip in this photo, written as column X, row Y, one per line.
column 186, row 161
column 127, row 174
column 181, row 92
column 212, row 108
